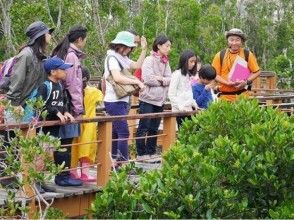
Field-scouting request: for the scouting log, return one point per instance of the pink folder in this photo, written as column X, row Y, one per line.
column 240, row 73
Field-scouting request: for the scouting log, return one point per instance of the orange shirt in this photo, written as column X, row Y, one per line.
column 228, row 61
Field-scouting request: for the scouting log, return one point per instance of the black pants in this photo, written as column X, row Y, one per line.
column 148, row 127
column 60, row 157
column 181, row 119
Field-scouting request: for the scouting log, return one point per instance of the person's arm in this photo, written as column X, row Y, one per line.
column 201, row 95
column 166, row 76
column 73, row 83
column 149, row 77
column 172, row 90
column 139, row 62
column 118, row 77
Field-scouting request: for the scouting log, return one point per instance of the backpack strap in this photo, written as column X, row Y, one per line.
column 246, row 54
column 223, row 53
column 222, row 56
column 107, row 62
column 49, row 89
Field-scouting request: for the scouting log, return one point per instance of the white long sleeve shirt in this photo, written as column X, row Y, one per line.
column 180, row 92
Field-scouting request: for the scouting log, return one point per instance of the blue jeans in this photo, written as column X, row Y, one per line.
column 147, row 127
column 120, row 129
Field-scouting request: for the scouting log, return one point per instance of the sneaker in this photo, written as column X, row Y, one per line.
column 88, row 178
column 67, row 181
column 155, row 156
column 143, row 157
column 74, row 174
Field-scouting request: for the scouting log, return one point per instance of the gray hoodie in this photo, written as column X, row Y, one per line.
column 27, row 74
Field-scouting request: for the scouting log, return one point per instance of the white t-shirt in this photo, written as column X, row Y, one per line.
column 110, row 95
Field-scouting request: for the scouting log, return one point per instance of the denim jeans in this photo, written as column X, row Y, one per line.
column 120, row 129
column 147, row 127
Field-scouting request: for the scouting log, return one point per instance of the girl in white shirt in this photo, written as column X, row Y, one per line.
column 180, row 89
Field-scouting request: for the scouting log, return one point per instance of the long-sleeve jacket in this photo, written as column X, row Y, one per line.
column 27, row 74
column 202, row 96
column 155, row 92
column 180, row 92
column 73, row 82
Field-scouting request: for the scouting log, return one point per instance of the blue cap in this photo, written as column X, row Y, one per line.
column 55, row 63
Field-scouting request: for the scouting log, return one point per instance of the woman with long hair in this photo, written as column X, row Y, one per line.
column 70, row 50
column 180, row 89
column 27, row 71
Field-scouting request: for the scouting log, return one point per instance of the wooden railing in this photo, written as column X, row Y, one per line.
column 104, row 137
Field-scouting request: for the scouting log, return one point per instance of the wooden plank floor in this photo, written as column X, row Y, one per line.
column 87, row 188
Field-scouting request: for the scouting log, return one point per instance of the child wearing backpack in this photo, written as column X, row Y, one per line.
column 56, row 100
column 86, row 153
column 70, row 50
column 57, row 108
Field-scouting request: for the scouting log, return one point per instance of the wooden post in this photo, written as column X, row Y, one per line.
column 169, row 129
column 28, row 189
column 104, row 152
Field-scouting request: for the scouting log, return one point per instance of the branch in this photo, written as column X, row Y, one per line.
column 49, row 12
column 60, row 7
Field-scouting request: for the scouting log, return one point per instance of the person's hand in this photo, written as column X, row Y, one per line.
column 143, row 43
column 141, row 85
column 241, row 84
column 69, row 117
column 61, row 117
column 159, row 78
column 210, row 86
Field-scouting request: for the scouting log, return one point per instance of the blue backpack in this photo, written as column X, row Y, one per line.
column 29, row 112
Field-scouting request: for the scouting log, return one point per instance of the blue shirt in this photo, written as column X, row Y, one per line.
column 202, row 96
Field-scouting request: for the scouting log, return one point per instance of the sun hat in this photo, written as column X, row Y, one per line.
column 236, row 32
column 126, row 38
column 37, row 29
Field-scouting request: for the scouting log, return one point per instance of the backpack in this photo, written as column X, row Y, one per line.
column 29, row 112
column 223, row 53
column 5, row 73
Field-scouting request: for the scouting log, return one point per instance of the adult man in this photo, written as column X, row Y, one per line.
column 224, row 60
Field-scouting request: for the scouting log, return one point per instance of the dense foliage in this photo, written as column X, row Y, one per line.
column 190, row 24
column 231, row 161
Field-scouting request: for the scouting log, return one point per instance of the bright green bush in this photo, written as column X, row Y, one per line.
column 231, row 161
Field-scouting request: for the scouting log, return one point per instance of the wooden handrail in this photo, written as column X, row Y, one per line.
column 98, row 119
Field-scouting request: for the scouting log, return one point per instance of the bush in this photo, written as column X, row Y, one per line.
column 231, row 161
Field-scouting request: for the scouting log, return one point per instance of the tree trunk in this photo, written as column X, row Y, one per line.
column 6, row 25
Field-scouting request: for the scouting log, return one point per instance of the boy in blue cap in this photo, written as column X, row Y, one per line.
column 56, row 104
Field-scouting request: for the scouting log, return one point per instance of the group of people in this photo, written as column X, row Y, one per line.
column 188, row 87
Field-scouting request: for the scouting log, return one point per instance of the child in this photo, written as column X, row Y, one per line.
column 57, row 106
column 202, row 89
column 180, row 89
column 85, row 154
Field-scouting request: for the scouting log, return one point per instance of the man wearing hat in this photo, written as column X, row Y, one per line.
column 223, row 63
column 27, row 71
